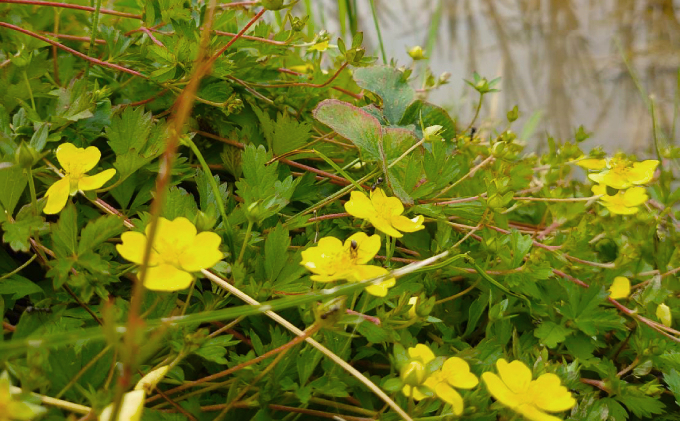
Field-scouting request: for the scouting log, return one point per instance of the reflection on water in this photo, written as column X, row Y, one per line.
column 567, row 59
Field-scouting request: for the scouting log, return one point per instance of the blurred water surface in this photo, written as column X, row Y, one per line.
column 590, row 62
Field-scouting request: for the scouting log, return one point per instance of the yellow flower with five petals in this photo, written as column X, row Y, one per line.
column 454, row 373
column 532, row 399
column 178, row 251
column 383, row 212
column 620, row 288
column 332, row 260
column 620, row 173
column 624, row 202
column 75, row 162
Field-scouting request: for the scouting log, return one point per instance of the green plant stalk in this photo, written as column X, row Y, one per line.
column 337, row 168
column 474, row 118
column 93, row 35
column 245, row 241
column 186, row 303
column 19, row 269
column 30, row 91
column 376, row 23
column 228, row 230
column 31, row 187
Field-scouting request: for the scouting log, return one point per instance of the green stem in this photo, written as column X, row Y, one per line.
column 93, row 37
column 19, row 269
column 377, row 30
column 245, row 241
column 228, row 230
column 479, row 107
column 186, row 303
column 30, row 91
column 31, row 187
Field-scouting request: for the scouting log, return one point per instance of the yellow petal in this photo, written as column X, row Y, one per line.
column 592, row 164
column 321, row 46
column 422, row 353
column 458, row 373
column 549, row 394
column 532, row 413
column 166, row 277
column 413, row 301
column 96, row 181
column 359, row 206
column 450, row 396
column 321, row 259
column 57, row 196
column 642, row 172
column 408, row 390
column 130, row 410
column 599, row 190
column 77, row 161
column 363, row 272
column 404, row 224
column 152, row 378
column 173, row 236
column 620, row 209
column 499, row 390
column 663, row 313
column 516, row 375
column 635, row 196
column 367, row 247
column 620, row 288
column 203, row 253
column 386, row 206
column 383, row 225
column 132, row 248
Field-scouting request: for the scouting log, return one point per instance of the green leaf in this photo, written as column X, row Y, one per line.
column 672, row 379
column 13, row 182
column 521, row 244
column 179, row 202
column 17, row 233
column 19, row 287
column 39, row 138
column 214, row 349
column 353, row 123
column 285, row 134
column 98, row 231
column 431, row 115
column 207, row 200
column 639, row 404
column 390, row 84
column 65, row 232
column 372, row 332
column 475, row 313
column 393, row 385
column 275, row 251
column 552, row 334
column 134, row 139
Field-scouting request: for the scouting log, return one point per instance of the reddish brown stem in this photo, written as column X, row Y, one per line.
column 238, row 367
column 146, row 101
column 252, row 38
column 73, row 38
column 74, row 6
column 71, row 50
column 309, row 85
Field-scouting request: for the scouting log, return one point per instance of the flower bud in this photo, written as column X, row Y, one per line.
column 663, row 313
column 432, row 133
column 416, row 53
column 413, row 373
column 272, row 4
column 25, row 156
column 513, row 114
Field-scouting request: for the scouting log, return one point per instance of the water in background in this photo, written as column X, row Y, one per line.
column 568, row 60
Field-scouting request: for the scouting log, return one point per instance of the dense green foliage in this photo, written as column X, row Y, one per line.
column 285, row 124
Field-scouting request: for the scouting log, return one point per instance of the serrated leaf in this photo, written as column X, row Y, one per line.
column 214, row 349
column 641, row 405
column 17, row 233
column 19, row 287
column 521, row 244
column 372, row 332
column 65, row 232
column 672, row 379
column 552, row 334
column 98, row 231
column 275, row 251
column 431, row 115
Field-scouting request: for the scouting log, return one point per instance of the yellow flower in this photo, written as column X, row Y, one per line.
column 413, row 374
column 130, row 409
column 530, row 398
column 331, row 260
column 454, row 373
column 177, row 251
column 319, row 46
column 625, row 202
column 622, row 173
column 75, row 162
column 385, row 213
column 152, row 378
column 620, row 288
column 417, row 53
column 15, row 410
column 663, row 313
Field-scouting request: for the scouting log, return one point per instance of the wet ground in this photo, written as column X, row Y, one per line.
column 564, row 62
